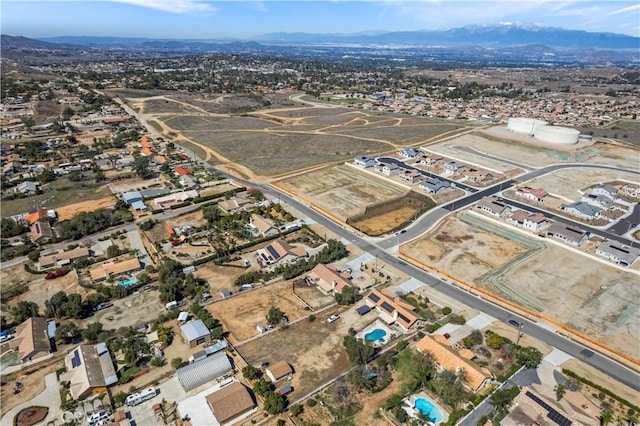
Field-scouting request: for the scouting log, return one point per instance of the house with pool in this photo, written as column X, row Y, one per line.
column 476, row 378
column 392, row 310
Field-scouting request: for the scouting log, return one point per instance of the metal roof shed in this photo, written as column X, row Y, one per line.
column 203, row 371
column 193, row 330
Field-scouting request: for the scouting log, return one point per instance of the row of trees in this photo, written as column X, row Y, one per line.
column 87, row 223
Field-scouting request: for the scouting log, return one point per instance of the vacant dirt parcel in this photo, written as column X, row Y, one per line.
column 598, row 300
column 343, row 190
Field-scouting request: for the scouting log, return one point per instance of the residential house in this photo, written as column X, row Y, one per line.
column 606, row 190
column 90, row 370
column 11, row 168
column 234, row 205
column 182, row 171
column 230, row 402
column 408, row 153
column 411, row 176
column 582, row 210
column 279, row 251
column 364, row 161
column 568, row 233
column 63, row 258
column 454, row 167
column 261, row 226
column 187, row 181
column 618, row 253
column 175, row 198
column 327, row 279
column 534, row 194
column 195, row 333
column 492, row 206
column 41, row 232
column 32, row 339
column 601, row 201
column 431, row 161
column 532, row 221
column 278, row 371
column 478, row 176
column 631, row 189
column 543, row 408
column 114, row 269
column 27, row 188
column 35, row 215
column 435, row 185
column 147, row 146
column 388, row 169
column 392, row 310
column 476, row 378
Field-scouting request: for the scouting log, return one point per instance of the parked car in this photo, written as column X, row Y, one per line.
column 57, row 274
column 333, row 318
column 514, row 323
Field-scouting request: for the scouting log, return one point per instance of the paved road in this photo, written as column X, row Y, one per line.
column 492, row 157
column 625, row 225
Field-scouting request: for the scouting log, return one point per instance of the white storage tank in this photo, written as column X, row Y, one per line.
column 524, row 125
column 557, row 135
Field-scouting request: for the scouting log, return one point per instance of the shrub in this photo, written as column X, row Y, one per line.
column 311, row 402
column 312, row 318
column 446, row 310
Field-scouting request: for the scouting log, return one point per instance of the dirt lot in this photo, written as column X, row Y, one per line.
column 41, row 290
column 67, row 212
column 595, row 299
column 569, row 182
column 499, row 142
column 135, row 309
column 240, row 315
column 384, row 223
column 219, row 277
column 194, row 219
column 343, row 190
column 314, row 349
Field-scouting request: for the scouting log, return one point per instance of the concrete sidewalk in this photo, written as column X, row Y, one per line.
column 49, row 397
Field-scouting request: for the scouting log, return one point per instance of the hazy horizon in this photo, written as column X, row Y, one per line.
column 198, row 19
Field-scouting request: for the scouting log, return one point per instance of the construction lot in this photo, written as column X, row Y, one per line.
column 343, row 190
column 587, row 295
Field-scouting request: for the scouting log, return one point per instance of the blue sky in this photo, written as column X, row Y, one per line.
column 203, row 19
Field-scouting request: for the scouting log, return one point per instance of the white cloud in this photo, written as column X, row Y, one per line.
column 173, row 6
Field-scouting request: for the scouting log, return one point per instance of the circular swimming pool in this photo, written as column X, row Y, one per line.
column 375, row 335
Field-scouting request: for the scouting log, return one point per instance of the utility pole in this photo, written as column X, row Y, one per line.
column 519, row 334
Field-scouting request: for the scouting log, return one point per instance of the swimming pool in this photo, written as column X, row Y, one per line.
column 428, row 408
column 127, row 283
column 375, row 335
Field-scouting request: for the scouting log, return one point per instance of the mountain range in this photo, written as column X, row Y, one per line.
column 489, row 36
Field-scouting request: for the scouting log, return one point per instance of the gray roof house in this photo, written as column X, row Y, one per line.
column 131, row 197
column 601, row 201
column 409, row 153
column 618, row 253
column 454, row 167
column 567, row 233
column 583, row 210
column 435, row 185
column 606, row 190
column 27, row 187
column 364, row 161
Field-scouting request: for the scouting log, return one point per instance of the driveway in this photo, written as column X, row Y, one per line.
column 49, row 397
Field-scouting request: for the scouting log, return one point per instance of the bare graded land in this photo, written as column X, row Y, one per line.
column 523, row 149
column 597, row 300
column 219, row 277
column 394, row 214
column 313, row 349
column 41, row 290
column 133, row 310
column 571, row 183
column 343, row 190
column 68, row 211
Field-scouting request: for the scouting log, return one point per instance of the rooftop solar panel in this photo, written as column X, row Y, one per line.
column 273, row 253
column 75, row 360
column 403, row 318
column 387, row 307
column 374, row 297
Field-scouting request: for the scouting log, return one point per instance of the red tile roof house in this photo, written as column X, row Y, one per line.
column 327, row 279
column 182, row 171
column 531, row 221
column 280, row 251
column 392, row 309
column 32, row 339
column 533, row 194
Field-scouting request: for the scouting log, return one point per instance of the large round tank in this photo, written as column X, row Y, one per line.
column 524, row 125
column 557, row 135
